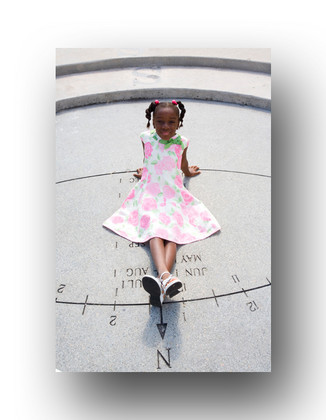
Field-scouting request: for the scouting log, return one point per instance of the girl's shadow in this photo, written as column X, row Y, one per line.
column 162, row 327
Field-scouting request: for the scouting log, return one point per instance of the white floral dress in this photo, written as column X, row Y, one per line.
column 159, row 205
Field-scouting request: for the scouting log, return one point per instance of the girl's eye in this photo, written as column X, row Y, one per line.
column 162, row 122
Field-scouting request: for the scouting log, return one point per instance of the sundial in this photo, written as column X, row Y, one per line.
column 221, row 320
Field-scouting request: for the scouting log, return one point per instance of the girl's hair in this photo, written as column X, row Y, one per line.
column 174, row 105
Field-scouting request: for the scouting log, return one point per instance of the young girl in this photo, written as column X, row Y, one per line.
column 159, row 209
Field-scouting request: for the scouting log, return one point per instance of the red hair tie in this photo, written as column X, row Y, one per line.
column 174, row 102
column 157, row 102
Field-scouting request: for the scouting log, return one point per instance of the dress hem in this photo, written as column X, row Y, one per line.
column 166, row 239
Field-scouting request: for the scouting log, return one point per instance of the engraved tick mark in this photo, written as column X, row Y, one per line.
column 85, row 305
column 235, row 278
column 215, row 298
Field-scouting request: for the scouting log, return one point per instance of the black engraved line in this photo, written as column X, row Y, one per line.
column 128, row 172
column 168, row 302
column 102, row 304
column 85, row 303
column 219, row 296
column 94, row 176
column 235, row 172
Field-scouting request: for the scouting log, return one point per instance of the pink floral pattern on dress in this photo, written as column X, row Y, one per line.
column 144, row 174
column 159, row 205
column 148, row 150
column 117, row 219
column 153, row 188
column 133, row 218
column 149, row 204
column 178, row 181
column 168, row 192
column 164, row 218
column 178, row 218
column 145, row 221
column 187, row 197
column 166, row 164
column 130, row 197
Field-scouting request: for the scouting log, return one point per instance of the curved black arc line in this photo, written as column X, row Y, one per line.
column 126, row 172
column 175, row 301
column 94, row 176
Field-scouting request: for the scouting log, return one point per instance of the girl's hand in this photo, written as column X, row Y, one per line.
column 194, row 170
column 139, row 173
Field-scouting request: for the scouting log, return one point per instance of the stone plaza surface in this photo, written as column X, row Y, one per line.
column 221, row 321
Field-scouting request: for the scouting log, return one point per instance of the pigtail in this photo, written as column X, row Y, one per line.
column 183, row 111
column 149, row 111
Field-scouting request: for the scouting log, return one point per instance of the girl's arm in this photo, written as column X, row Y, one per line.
column 186, row 169
column 140, row 170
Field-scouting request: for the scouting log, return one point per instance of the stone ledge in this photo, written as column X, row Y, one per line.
column 186, row 61
column 161, row 93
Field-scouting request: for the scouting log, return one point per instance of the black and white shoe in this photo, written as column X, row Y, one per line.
column 170, row 286
column 152, row 285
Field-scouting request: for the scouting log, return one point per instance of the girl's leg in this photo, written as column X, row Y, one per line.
column 158, row 253
column 163, row 255
column 170, row 254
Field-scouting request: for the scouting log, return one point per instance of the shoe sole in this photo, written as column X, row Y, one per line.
column 173, row 293
column 151, row 286
column 173, row 289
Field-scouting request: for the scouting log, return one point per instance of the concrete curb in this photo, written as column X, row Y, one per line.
column 161, row 93
column 187, row 61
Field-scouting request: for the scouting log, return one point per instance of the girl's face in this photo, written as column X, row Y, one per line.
column 165, row 122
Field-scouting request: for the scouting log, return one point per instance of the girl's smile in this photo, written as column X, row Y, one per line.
column 166, row 122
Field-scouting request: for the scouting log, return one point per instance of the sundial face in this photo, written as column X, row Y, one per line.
column 220, row 322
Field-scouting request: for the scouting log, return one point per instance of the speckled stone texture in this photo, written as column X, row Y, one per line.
column 220, row 322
